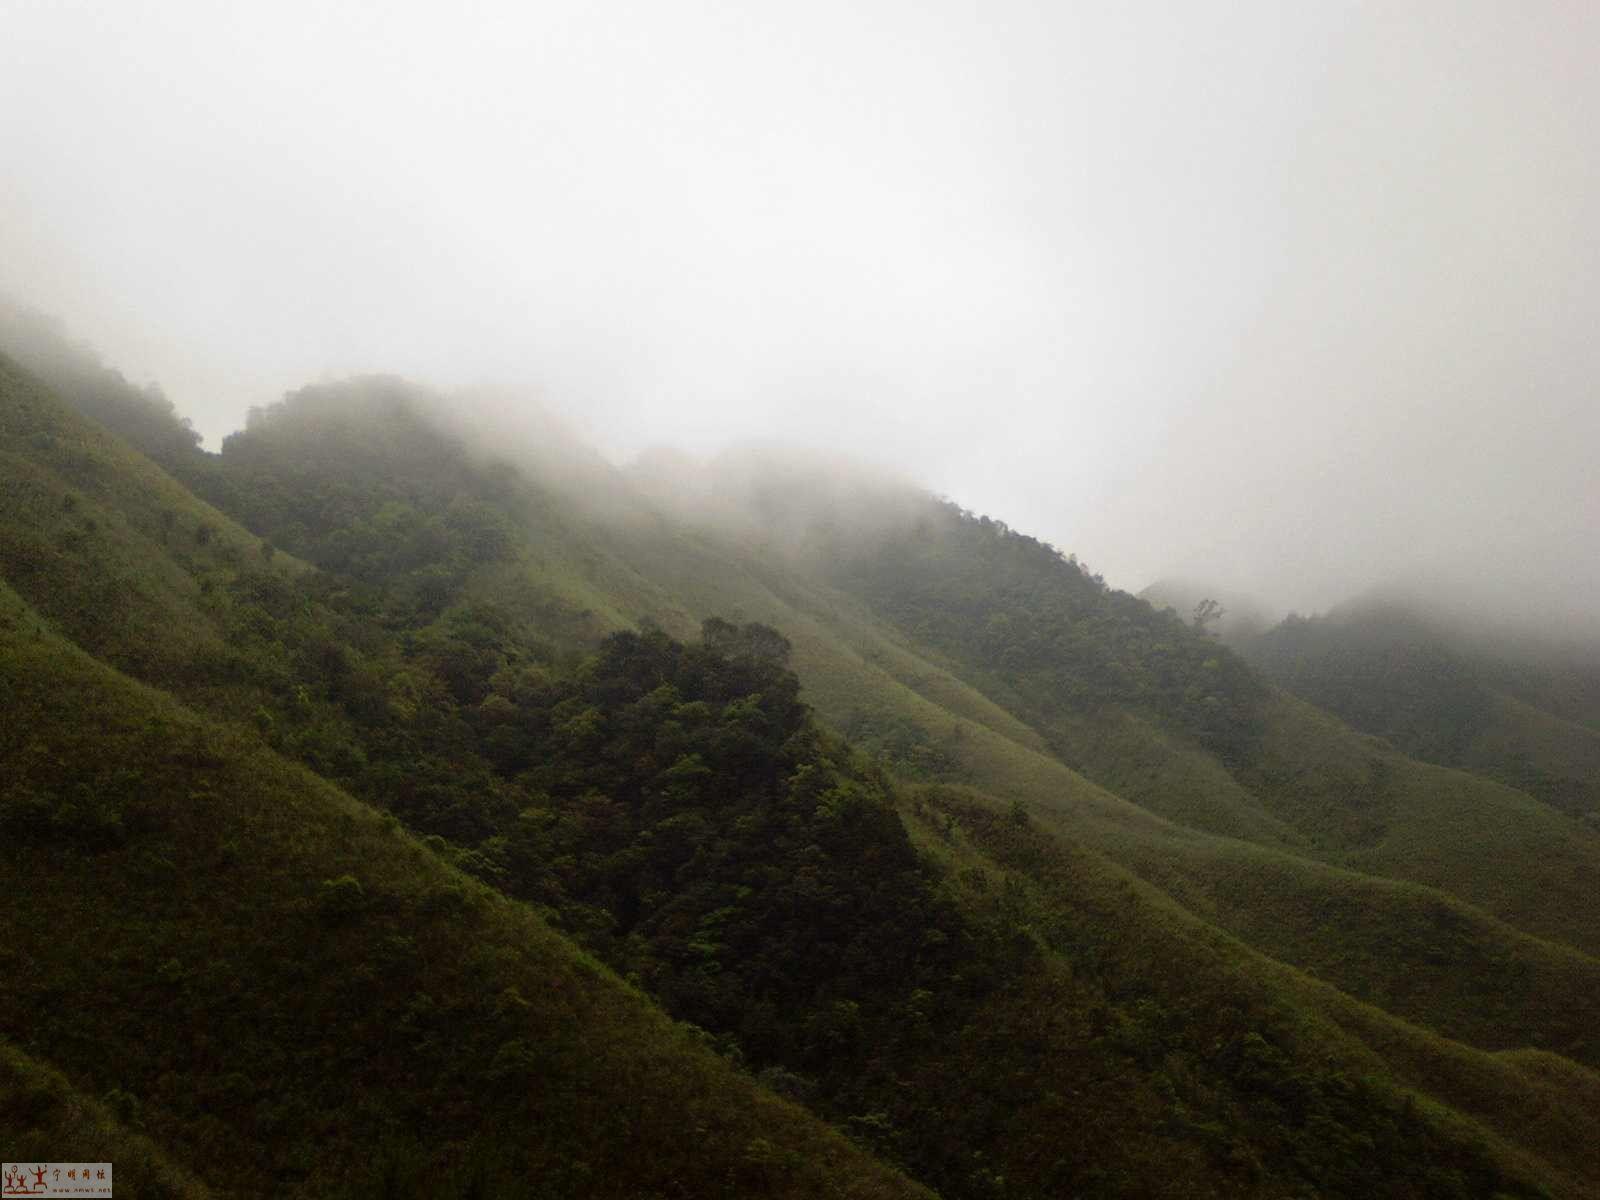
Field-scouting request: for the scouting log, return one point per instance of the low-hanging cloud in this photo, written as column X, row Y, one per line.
column 1293, row 298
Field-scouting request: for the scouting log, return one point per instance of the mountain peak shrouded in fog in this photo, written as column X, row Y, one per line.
column 1299, row 300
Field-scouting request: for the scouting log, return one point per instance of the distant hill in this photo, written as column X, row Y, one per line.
column 780, row 829
column 1487, row 700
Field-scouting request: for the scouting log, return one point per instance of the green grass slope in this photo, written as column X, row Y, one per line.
column 1308, row 787
column 1319, row 793
column 1421, row 952
column 1372, row 809
column 117, row 553
column 1195, row 1003
column 277, row 978
column 441, row 592
column 1325, row 834
column 1413, row 951
column 1052, row 646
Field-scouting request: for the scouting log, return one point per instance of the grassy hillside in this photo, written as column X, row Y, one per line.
column 296, row 936
column 1205, row 741
column 1295, row 782
column 117, row 552
column 1201, row 1000
column 325, row 982
column 436, row 644
column 273, row 977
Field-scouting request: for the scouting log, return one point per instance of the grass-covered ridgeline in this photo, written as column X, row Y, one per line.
column 1155, row 709
column 390, row 631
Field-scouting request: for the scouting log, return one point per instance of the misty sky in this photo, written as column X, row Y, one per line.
column 1295, row 297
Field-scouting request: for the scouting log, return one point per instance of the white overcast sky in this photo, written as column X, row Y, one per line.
column 1293, row 297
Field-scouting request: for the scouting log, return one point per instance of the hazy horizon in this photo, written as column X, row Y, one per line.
column 1297, row 301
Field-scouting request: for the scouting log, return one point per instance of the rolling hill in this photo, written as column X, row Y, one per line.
column 365, row 730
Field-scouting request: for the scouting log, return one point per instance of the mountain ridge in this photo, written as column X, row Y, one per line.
column 460, row 594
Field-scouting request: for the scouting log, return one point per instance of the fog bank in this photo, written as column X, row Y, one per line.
column 1297, row 299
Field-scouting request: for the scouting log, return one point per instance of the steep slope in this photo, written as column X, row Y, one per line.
column 1144, row 724
column 290, row 934
column 1307, row 787
column 1058, row 649
column 434, row 638
column 1201, row 1001
column 329, row 990
column 118, row 551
